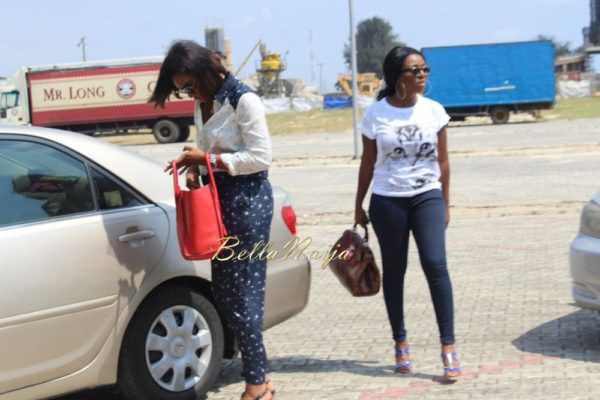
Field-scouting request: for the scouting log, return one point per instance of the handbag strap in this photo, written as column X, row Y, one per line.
column 175, row 177
column 210, row 175
column 366, row 236
column 215, row 192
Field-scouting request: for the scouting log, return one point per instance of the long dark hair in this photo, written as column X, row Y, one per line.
column 186, row 56
column 392, row 68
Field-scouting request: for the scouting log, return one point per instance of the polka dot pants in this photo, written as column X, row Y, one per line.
column 239, row 286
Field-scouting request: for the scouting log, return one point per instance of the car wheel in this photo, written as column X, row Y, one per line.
column 184, row 132
column 173, row 347
column 500, row 115
column 166, row 131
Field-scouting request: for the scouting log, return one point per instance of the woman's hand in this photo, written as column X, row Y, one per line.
column 360, row 217
column 190, row 156
column 192, row 178
column 447, row 215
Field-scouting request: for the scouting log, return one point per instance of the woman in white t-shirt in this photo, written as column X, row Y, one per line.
column 405, row 156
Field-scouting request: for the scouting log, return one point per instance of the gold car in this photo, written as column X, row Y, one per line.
column 94, row 290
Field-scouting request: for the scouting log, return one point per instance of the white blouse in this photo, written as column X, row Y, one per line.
column 241, row 136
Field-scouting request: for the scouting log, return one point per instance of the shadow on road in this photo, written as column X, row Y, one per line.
column 231, row 374
column 575, row 336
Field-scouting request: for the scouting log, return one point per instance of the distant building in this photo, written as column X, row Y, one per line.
column 215, row 40
column 594, row 29
column 570, row 67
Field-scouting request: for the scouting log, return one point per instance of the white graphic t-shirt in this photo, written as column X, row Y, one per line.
column 407, row 156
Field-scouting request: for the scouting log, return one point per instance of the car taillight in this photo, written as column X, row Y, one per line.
column 289, row 218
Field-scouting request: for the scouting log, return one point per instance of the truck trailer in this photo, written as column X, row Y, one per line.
column 492, row 79
column 92, row 97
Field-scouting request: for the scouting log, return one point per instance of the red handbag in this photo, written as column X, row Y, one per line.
column 200, row 226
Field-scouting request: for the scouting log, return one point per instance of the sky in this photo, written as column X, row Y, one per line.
column 47, row 32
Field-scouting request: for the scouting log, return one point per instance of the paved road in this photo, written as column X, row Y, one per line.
column 517, row 191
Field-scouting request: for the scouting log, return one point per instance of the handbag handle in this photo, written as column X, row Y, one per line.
column 214, row 191
column 208, row 168
column 175, row 177
column 366, row 237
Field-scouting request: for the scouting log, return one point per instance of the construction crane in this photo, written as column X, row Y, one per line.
column 269, row 74
column 367, row 83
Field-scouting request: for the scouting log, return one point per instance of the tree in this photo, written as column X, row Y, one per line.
column 374, row 39
column 560, row 48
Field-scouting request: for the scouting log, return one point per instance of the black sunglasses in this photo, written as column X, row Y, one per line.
column 186, row 89
column 417, row 70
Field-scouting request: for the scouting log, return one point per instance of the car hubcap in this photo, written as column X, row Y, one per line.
column 165, row 132
column 178, row 348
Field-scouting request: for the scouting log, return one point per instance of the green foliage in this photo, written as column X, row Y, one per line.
column 374, row 39
column 586, row 107
column 560, row 48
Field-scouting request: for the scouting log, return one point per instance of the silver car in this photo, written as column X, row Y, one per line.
column 584, row 257
column 94, row 290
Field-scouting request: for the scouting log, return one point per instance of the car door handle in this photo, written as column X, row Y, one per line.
column 140, row 235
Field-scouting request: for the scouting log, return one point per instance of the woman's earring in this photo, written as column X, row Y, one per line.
column 398, row 92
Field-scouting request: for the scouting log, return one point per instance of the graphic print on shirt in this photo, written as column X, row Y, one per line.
column 409, row 151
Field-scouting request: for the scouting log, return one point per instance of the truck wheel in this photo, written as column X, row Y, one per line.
column 173, row 347
column 166, row 131
column 184, row 132
column 499, row 115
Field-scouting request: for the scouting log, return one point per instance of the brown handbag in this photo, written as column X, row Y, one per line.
column 357, row 272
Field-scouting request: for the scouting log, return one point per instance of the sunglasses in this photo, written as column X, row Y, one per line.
column 186, row 90
column 417, row 70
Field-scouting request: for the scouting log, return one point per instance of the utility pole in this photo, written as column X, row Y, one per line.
column 321, row 77
column 312, row 60
column 82, row 45
column 354, row 87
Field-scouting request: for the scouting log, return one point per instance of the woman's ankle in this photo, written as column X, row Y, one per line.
column 448, row 348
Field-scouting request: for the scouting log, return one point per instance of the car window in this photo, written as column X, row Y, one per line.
column 39, row 182
column 111, row 194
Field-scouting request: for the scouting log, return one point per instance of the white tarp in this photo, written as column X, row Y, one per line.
column 300, row 103
column 568, row 89
column 306, row 103
column 277, row 105
column 364, row 101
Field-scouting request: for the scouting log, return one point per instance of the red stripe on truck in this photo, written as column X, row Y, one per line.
column 92, row 71
column 134, row 112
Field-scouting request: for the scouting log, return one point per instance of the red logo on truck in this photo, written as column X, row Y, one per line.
column 126, row 88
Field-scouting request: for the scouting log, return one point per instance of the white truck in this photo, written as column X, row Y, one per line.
column 94, row 97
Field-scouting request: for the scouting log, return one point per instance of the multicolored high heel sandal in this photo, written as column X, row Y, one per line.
column 263, row 394
column 405, row 366
column 451, row 365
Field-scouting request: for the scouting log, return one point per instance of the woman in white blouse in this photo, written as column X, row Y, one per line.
column 233, row 129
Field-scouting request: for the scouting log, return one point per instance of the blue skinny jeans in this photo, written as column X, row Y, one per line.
column 393, row 219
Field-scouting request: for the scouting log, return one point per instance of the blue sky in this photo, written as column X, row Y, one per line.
column 43, row 32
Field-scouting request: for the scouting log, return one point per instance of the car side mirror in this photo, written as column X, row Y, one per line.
column 3, row 113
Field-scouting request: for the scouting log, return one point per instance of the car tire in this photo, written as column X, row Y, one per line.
column 184, row 132
column 166, row 131
column 500, row 115
column 173, row 347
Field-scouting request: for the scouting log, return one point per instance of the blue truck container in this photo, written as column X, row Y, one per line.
column 492, row 79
